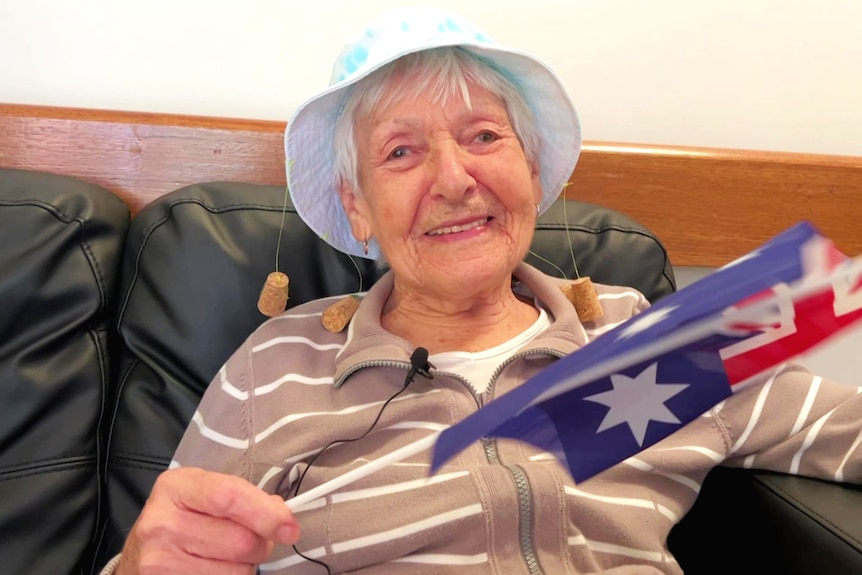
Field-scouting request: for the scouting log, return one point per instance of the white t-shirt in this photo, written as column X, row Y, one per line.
column 478, row 367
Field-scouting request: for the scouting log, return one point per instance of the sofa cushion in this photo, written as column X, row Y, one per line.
column 194, row 265
column 60, row 242
column 608, row 246
column 195, row 262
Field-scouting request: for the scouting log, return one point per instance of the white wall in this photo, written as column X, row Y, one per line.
column 764, row 74
column 759, row 74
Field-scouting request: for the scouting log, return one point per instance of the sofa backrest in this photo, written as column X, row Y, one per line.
column 111, row 331
column 194, row 265
column 60, row 244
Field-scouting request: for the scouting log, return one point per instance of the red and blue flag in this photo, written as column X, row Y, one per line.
column 651, row 375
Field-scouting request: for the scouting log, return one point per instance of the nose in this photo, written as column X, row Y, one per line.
column 452, row 171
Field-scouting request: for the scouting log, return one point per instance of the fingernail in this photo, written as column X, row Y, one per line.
column 287, row 533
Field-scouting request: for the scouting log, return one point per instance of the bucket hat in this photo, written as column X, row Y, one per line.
column 309, row 149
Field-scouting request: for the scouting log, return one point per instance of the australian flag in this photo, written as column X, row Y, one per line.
column 651, row 375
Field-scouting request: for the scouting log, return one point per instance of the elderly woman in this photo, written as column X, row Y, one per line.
column 436, row 149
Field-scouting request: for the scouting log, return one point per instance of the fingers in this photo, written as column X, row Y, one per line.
column 170, row 564
column 201, row 521
column 230, row 497
column 198, row 535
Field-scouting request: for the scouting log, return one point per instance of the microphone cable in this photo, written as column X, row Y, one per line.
column 419, row 365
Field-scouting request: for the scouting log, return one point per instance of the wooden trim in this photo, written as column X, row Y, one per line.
column 708, row 206
column 140, row 156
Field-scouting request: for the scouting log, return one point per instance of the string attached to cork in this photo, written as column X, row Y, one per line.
column 273, row 297
column 581, row 291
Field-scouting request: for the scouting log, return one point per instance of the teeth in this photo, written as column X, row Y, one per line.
column 456, row 229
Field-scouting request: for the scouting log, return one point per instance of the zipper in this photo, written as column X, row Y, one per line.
column 525, row 519
column 522, row 485
column 371, row 363
column 489, row 445
column 534, row 351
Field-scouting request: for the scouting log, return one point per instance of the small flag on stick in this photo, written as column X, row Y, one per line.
column 651, row 375
column 646, row 378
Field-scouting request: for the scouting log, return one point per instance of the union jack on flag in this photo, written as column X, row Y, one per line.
column 651, row 375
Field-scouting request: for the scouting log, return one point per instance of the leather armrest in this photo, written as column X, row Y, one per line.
column 778, row 523
column 60, row 243
column 818, row 524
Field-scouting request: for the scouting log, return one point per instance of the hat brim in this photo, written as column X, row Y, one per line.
column 310, row 152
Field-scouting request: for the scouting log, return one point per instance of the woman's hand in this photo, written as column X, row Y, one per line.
column 198, row 521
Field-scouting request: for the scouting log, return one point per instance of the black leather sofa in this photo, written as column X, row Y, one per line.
column 110, row 330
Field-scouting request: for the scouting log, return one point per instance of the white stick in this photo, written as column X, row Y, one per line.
column 362, row 471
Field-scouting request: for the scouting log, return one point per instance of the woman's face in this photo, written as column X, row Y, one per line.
column 447, row 192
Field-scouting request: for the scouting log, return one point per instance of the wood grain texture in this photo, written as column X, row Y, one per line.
column 708, row 206
column 140, row 156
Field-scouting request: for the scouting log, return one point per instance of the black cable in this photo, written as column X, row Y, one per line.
column 419, row 365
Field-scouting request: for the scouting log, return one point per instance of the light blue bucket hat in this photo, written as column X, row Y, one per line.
column 308, row 141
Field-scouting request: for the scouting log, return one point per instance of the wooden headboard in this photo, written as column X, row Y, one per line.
column 708, row 206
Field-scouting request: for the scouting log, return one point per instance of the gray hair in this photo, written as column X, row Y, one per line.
column 442, row 72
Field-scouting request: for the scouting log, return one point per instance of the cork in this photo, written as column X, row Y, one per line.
column 339, row 314
column 583, row 296
column 273, row 296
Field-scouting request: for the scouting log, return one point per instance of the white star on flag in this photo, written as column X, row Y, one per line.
column 636, row 401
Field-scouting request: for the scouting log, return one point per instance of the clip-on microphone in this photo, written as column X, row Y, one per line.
column 420, row 365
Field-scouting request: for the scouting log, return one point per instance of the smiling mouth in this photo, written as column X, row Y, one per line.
column 457, row 229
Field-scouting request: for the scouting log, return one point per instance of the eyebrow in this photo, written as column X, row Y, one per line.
column 477, row 112
column 481, row 109
column 406, row 122
column 381, row 133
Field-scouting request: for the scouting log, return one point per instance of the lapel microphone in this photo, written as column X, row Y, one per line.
column 419, row 364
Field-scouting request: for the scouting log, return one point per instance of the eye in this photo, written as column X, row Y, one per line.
column 399, row 152
column 486, row 137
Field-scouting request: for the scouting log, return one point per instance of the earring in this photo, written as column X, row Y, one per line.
column 538, row 210
column 365, row 247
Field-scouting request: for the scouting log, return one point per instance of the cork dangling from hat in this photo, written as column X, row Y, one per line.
column 584, row 297
column 336, row 317
column 273, row 296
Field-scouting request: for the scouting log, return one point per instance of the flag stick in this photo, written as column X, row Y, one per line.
column 399, row 454
column 685, row 335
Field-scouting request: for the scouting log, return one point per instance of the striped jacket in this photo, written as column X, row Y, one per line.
column 500, row 506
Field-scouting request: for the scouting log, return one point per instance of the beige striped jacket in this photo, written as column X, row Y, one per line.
column 501, row 506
